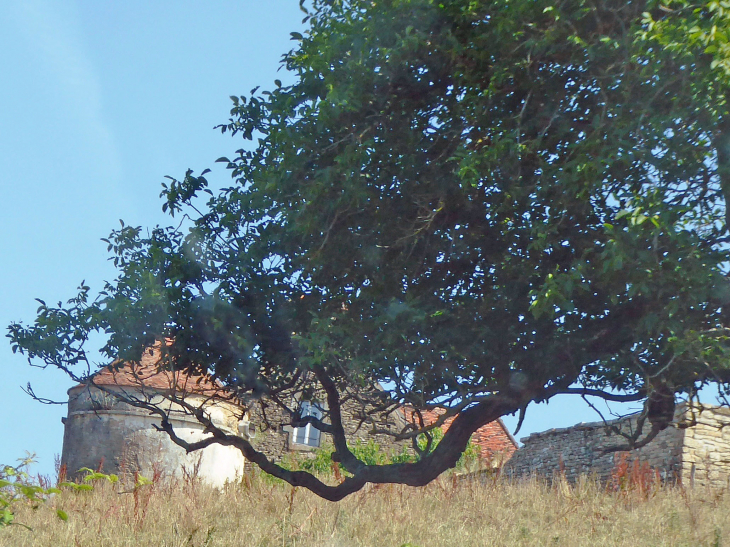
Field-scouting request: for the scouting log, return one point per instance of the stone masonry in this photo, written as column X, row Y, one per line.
column 274, row 438
column 696, row 456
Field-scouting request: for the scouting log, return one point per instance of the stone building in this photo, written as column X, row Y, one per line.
column 271, row 434
column 106, row 433
column 494, row 440
column 103, row 432
column 693, row 456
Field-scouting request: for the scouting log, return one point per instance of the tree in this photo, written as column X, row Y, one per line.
column 476, row 204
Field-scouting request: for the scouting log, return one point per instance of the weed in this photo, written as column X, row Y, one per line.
column 447, row 512
column 633, row 475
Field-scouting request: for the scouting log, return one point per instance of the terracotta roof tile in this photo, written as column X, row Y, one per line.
column 493, row 439
column 146, row 374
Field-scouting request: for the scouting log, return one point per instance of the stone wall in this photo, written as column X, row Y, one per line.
column 695, row 455
column 273, row 435
column 706, row 450
column 579, row 450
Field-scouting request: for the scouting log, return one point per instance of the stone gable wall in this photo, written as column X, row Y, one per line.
column 706, row 450
column 273, row 437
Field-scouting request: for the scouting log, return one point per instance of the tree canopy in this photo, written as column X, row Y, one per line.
column 475, row 204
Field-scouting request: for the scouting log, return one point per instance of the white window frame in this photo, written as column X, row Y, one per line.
column 308, row 435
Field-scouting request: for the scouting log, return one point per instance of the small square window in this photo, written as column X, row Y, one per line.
column 308, row 435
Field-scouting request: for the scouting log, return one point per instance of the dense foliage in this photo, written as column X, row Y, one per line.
column 474, row 203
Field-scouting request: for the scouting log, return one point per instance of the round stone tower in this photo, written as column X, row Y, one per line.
column 106, row 433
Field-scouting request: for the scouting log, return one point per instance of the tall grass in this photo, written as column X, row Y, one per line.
column 450, row 511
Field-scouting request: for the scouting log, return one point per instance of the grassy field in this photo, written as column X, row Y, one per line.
column 260, row 512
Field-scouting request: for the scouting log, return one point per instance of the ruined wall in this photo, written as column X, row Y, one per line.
column 578, row 450
column 698, row 455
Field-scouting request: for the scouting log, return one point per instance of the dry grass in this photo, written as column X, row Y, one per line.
column 447, row 512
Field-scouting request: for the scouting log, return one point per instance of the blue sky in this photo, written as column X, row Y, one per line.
column 101, row 100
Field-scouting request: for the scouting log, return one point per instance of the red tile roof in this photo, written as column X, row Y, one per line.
column 146, row 374
column 493, row 439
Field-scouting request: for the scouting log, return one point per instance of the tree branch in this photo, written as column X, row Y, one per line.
column 628, row 398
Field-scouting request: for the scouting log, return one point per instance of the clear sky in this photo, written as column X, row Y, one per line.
column 101, row 100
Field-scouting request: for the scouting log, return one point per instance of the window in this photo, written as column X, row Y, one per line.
column 308, row 435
